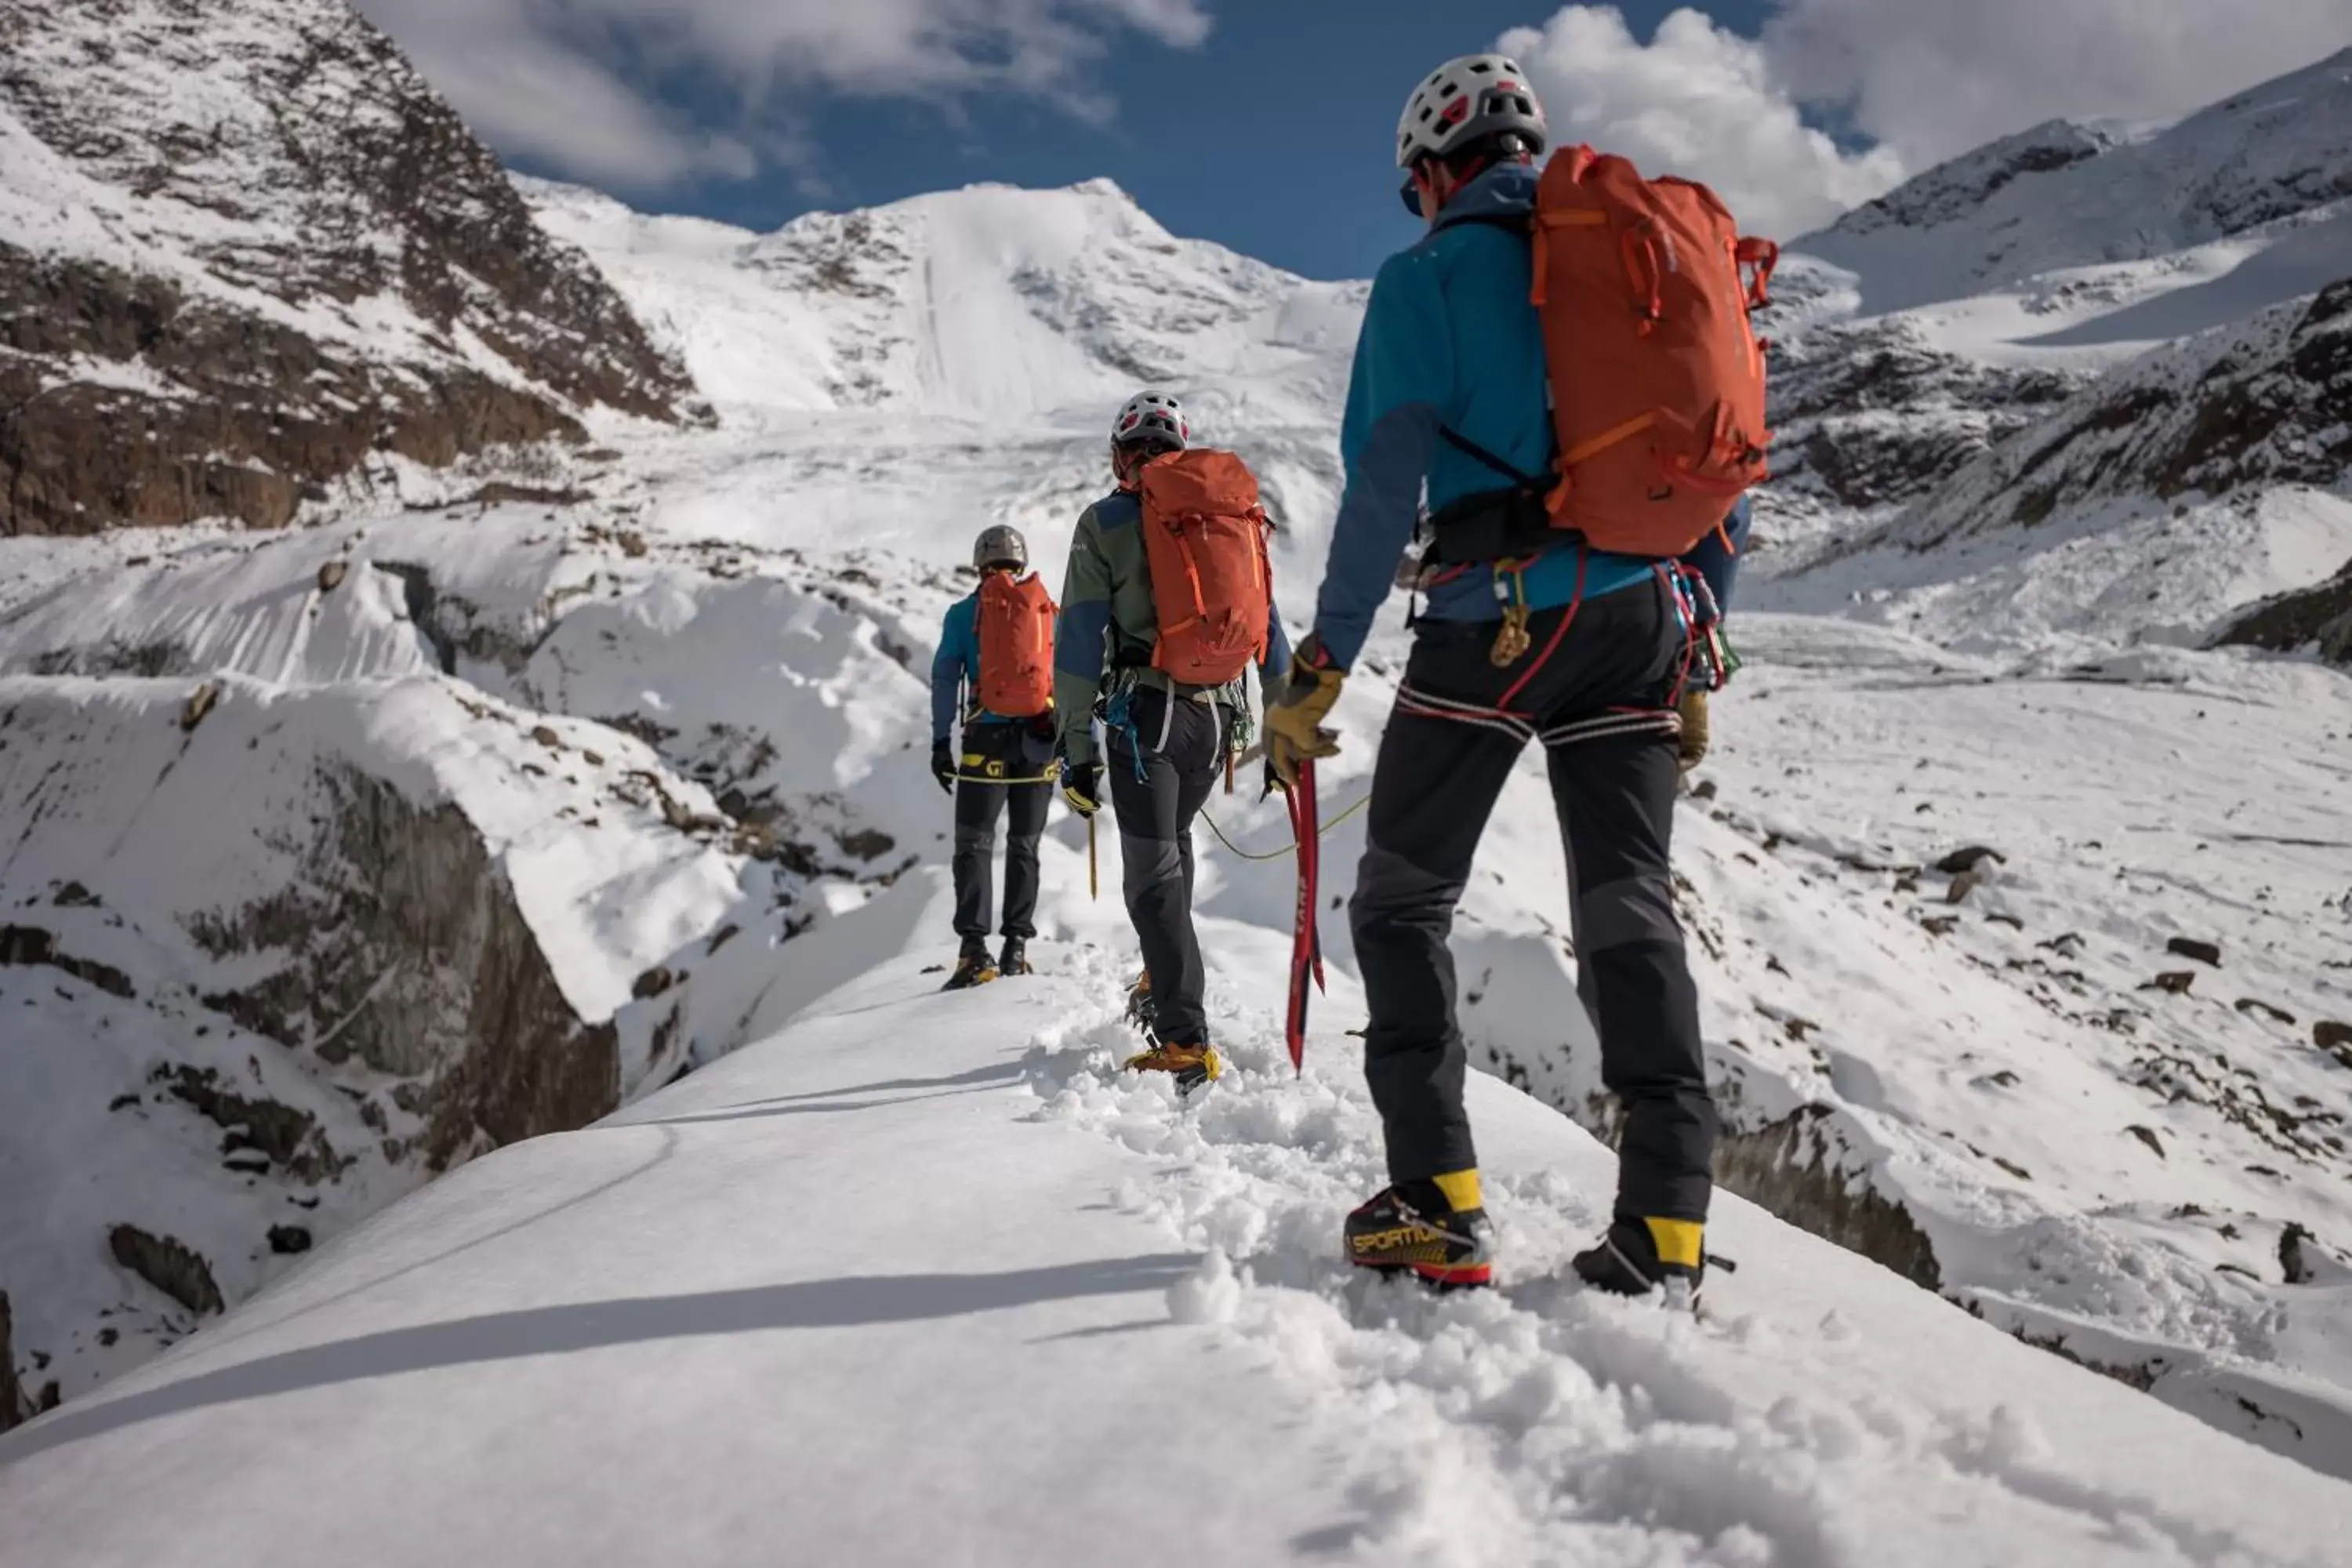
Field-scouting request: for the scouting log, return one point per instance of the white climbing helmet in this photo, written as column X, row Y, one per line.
column 1152, row 417
column 1000, row 546
column 1464, row 102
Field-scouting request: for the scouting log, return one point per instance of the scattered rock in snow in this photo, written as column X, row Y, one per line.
column 2329, row 1035
column 14, row 1407
column 2205, row 952
column 288, row 1239
column 33, row 946
column 2147, row 1136
column 2175, row 981
column 1964, row 884
column 2291, row 1258
column 546, row 736
column 331, row 574
column 2253, row 1004
column 1960, row 861
column 652, row 983
column 171, row 1266
column 200, row 702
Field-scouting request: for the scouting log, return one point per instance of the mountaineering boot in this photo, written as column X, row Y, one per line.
column 973, row 966
column 1193, row 1065
column 1016, row 958
column 1638, row 1255
column 1437, row 1229
column 1142, row 1011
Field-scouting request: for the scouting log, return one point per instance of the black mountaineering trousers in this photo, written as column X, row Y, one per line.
column 1183, row 750
column 1597, row 704
column 993, row 752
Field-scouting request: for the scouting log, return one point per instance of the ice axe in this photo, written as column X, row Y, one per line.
column 1306, row 945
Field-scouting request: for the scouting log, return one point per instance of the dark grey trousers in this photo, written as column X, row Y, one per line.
column 1156, row 789
column 1596, row 704
column 979, row 802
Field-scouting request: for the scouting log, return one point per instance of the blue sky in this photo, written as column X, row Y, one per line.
column 1265, row 124
column 1272, row 137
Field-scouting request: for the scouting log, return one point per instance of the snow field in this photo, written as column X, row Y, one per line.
column 885, row 1285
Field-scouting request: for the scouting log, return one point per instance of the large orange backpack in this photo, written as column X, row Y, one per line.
column 1658, row 381
column 1016, row 646
column 1204, row 540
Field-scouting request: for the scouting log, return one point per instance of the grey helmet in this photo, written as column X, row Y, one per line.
column 1464, row 102
column 1152, row 416
column 1000, row 546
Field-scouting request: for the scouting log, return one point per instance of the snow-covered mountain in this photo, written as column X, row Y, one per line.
column 676, row 710
column 2064, row 197
column 2090, row 372
column 248, row 261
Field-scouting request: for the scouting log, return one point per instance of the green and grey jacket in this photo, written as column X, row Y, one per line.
column 1110, row 627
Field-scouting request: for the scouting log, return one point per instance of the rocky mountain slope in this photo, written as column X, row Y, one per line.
column 1968, row 306
column 249, row 261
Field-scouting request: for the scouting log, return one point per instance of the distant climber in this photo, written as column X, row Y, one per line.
column 1565, row 362
column 995, row 671
column 1168, row 602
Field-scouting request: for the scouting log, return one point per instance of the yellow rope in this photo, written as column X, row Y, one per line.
column 1210, row 818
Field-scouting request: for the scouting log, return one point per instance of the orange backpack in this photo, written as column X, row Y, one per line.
column 1657, row 382
column 1211, row 586
column 1016, row 646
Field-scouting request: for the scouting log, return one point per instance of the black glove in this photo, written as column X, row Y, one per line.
column 943, row 765
column 1079, row 786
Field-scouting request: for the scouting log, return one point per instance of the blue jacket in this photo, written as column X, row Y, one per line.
column 957, row 666
column 1449, row 341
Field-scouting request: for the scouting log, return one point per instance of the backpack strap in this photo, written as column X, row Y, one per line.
column 1471, row 449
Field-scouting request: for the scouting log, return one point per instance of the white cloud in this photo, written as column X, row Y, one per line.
column 537, row 77
column 1701, row 101
column 1934, row 78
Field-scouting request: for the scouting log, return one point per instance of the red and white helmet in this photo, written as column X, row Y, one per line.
column 1152, row 416
column 1464, row 102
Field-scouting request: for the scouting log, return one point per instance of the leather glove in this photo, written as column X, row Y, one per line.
column 1294, row 720
column 943, row 765
column 1081, row 782
column 1692, row 749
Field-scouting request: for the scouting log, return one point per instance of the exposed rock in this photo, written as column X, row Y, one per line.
column 1964, row 884
column 331, row 574
column 1960, row 861
column 2176, row 982
column 32, row 945
column 283, row 1136
column 651, row 983
column 1789, row 1168
column 406, row 936
column 171, row 1267
column 867, row 844
column 286, row 1239
column 2253, row 1004
column 2147, row 1136
column 200, row 702
column 2205, row 952
column 2318, row 616
column 2328, row 1033
column 284, row 150
column 13, row 1405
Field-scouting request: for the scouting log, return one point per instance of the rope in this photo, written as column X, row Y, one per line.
column 1291, row 849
